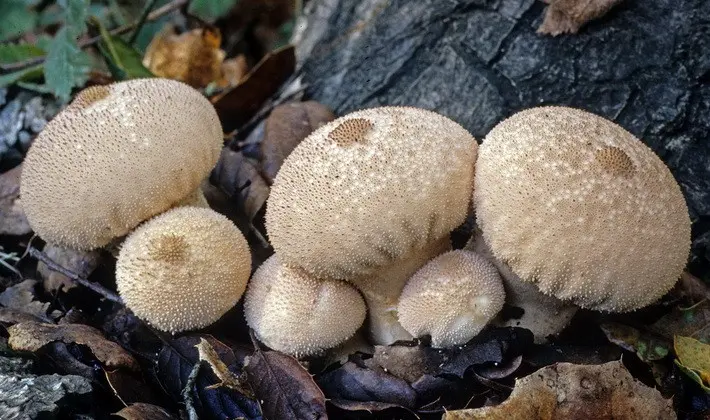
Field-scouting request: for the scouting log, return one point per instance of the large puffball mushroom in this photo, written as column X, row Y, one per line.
column 451, row 298
column 116, row 156
column 293, row 312
column 579, row 206
column 183, row 269
column 369, row 190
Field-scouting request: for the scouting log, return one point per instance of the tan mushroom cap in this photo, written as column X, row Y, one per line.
column 183, row 269
column 293, row 312
column 578, row 205
column 118, row 155
column 451, row 298
column 368, row 188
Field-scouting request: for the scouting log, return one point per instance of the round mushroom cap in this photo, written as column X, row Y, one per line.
column 451, row 298
column 293, row 312
column 116, row 156
column 581, row 207
column 183, row 269
column 369, row 187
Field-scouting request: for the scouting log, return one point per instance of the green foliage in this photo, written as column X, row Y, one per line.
column 75, row 14
column 30, row 73
column 66, row 65
column 16, row 18
column 123, row 61
column 210, row 10
column 12, row 53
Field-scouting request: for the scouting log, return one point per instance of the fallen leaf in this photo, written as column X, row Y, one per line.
column 193, row 57
column 568, row 16
column 648, row 347
column 12, row 218
column 234, row 70
column 82, row 263
column 226, row 377
column 694, row 359
column 142, row 411
column 287, row 125
column 285, row 389
column 408, row 362
column 693, row 321
column 239, row 104
column 568, row 391
column 369, row 406
column 31, row 336
column 129, row 388
column 176, row 360
column 239, row 178
column 20, row 299
column 493, row 345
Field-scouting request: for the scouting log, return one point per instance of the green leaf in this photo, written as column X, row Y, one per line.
column 12, row 53
column 66, row 65
column 693, row 357
column 122, row 59
column 210, row 10
column 75, row 14
column 30, row 73
column 16, row 18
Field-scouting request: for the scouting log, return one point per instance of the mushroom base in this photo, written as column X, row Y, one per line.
column 382, row 289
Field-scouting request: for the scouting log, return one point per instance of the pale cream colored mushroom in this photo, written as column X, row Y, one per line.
column 116, row 156
column 369, row 198
column 183, row 269
column 581, row 208
column 295, row 313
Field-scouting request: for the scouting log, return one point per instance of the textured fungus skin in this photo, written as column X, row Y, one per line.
column 578, row 205
column 370, row 188
column 116, row 156
column 293, row 312
column 184, row 269
column 451, row 298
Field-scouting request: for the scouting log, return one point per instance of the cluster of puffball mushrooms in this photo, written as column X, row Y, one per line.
column 571, row 211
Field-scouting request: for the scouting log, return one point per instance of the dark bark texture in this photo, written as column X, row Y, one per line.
column 645, row 65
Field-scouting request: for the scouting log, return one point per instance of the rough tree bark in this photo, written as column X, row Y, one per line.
column 645, row 65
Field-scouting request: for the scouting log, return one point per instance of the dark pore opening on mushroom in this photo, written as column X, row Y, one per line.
column 615, row 161
column 90, row 95
column 350, row 131
column 169, row 248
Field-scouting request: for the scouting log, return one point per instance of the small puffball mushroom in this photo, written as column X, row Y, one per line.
column 368, row 191
column 579, row 206
column 183, row 269
column 293, row 312
column 116, row 156
column 451, row 298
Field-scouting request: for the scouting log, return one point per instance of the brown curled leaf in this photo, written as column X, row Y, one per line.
column 568, row 16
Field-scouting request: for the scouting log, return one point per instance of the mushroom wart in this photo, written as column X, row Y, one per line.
column 370, row 191
column 579, row 206
column 116, row 156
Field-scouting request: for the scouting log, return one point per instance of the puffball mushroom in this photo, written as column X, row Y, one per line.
column 293, row 312
column 451, row 298
column 579, row 206
column 116, row 156
column 369, row 191
column 183, row 269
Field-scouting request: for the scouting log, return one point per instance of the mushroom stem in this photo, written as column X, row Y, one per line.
column 381, row 291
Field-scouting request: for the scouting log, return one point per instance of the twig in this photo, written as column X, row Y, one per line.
column 156, row 14
column 54, row 266
column 141, row 21
column 187, row 391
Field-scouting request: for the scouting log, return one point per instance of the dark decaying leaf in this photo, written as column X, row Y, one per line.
column 541, row 355
column 408, row 362
column 129, row 388
column 176, row 360
column 285, row 389
column 142, row 411
column 82, row 263
column 240, row 103
column 502, row 370
column 568, row 16
column 371, row 407
column 31, row 336
column 648, row 346
column 20, row 305
column 238, row 177
column 287, row 125
column 12, row 217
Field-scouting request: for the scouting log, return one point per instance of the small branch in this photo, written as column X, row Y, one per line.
column 156, row 14
column 187, row 391
column 54, row 266
column 141, row 21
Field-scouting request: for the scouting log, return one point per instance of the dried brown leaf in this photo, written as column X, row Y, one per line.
column 31, row 336
column 20, row 304
column 142, row 411
column 287, row 125
column 82, row 263
column 193, row 57
column 12, row 217
column 568, row 391
column 408, row 362
column 568, row 16
column 226, row 377
column 234, row 70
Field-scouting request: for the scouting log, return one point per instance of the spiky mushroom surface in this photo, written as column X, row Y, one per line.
column 116, row 156
column 582, row 208
column 183, row 269
column 293, row 312
column 452, row 298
